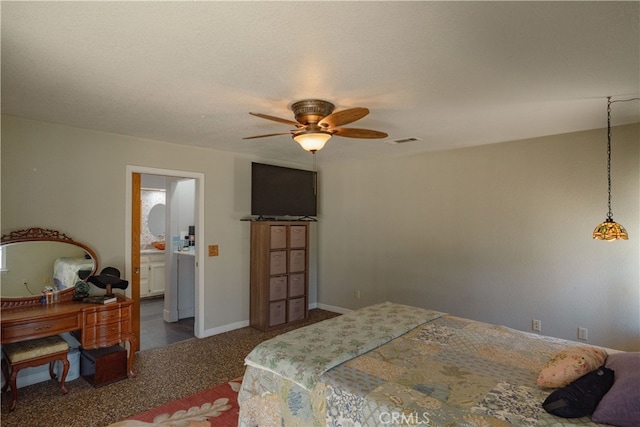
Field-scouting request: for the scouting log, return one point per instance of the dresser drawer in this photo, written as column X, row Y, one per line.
column 104, row 334
column 105, row 315
column 40, row 328
column 277, row 288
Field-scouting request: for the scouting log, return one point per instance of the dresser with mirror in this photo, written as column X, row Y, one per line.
column 39, row 263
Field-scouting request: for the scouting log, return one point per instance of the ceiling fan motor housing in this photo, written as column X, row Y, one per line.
column 311, row 110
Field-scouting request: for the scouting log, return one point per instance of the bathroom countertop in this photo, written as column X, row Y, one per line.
column 191, row 252
column 151, row 251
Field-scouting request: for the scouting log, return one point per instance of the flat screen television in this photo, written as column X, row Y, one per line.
column 280, row 191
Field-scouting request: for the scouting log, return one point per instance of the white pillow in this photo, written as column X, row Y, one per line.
column 569, row 364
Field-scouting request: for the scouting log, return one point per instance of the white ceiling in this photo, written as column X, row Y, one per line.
column 452, row 74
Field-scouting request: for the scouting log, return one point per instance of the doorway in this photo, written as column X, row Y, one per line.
column 177, row 302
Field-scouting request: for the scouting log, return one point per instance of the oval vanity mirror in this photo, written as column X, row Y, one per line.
column 156, row 220
column 36, row 258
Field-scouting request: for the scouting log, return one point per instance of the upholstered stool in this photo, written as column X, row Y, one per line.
column 31, row 353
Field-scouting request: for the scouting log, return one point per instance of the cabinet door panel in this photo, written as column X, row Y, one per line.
column 156, row 278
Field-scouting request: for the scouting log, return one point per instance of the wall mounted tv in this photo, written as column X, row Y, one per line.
column 280, row 191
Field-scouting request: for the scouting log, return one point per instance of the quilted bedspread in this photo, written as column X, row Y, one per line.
column 445, row 371
column 304, row 354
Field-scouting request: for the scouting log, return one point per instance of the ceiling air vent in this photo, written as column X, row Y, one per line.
column 402, row 140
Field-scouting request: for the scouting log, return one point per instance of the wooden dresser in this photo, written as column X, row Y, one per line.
column 95, row 325
column 279, row 273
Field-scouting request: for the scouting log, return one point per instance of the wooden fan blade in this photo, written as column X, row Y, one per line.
column 277, row 119
column 343, row 117
column 269, row 134
column 358, row 133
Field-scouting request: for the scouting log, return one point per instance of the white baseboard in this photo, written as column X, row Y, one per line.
column 245, row 323
column 334, row 308
column 225, row 328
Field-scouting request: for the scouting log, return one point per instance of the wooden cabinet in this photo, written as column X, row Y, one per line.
column 152, row 275
column 105, row 325
column 279, row 273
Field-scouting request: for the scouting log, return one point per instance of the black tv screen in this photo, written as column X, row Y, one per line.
column 281, row 191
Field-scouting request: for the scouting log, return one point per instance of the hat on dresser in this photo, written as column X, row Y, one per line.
column 109, row 278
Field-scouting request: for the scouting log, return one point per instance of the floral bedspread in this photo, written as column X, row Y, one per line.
column 65, row 271
column 302, row 355
column 449, row 371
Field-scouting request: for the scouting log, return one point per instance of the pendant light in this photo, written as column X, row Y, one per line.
column 609, row 229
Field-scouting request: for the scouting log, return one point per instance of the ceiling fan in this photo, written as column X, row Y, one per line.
column 317, row 123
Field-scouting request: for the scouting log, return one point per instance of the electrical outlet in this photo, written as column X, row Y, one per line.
column 356, row 294
column 582, row 333
column 536, row 325
column 213, row 250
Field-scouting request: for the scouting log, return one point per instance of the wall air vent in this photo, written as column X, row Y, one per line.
column 402, row 140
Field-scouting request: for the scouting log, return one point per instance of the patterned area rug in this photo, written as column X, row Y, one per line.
column 216, row 406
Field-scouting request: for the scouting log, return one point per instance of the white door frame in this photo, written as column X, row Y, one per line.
column 199, row 221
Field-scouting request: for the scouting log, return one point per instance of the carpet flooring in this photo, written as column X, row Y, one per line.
column 163, row 375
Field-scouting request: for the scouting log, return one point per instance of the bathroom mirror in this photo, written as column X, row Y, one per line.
column 156, row 220
column 36, row 258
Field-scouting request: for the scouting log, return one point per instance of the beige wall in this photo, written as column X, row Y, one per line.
column 499, row 233
column 74, row 180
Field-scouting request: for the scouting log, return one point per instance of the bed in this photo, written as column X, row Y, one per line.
column 391, row 364
column 67, row 271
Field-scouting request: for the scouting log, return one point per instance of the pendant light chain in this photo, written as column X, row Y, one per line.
column 609, row 102
column 610, row 230
column 610, row 214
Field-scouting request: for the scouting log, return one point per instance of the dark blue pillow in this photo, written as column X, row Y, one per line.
column 581, row 397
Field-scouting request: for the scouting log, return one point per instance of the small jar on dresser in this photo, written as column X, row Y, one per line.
column 279, row 273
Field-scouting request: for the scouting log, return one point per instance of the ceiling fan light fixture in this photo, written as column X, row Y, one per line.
column 316, row 123
column 312, row 141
